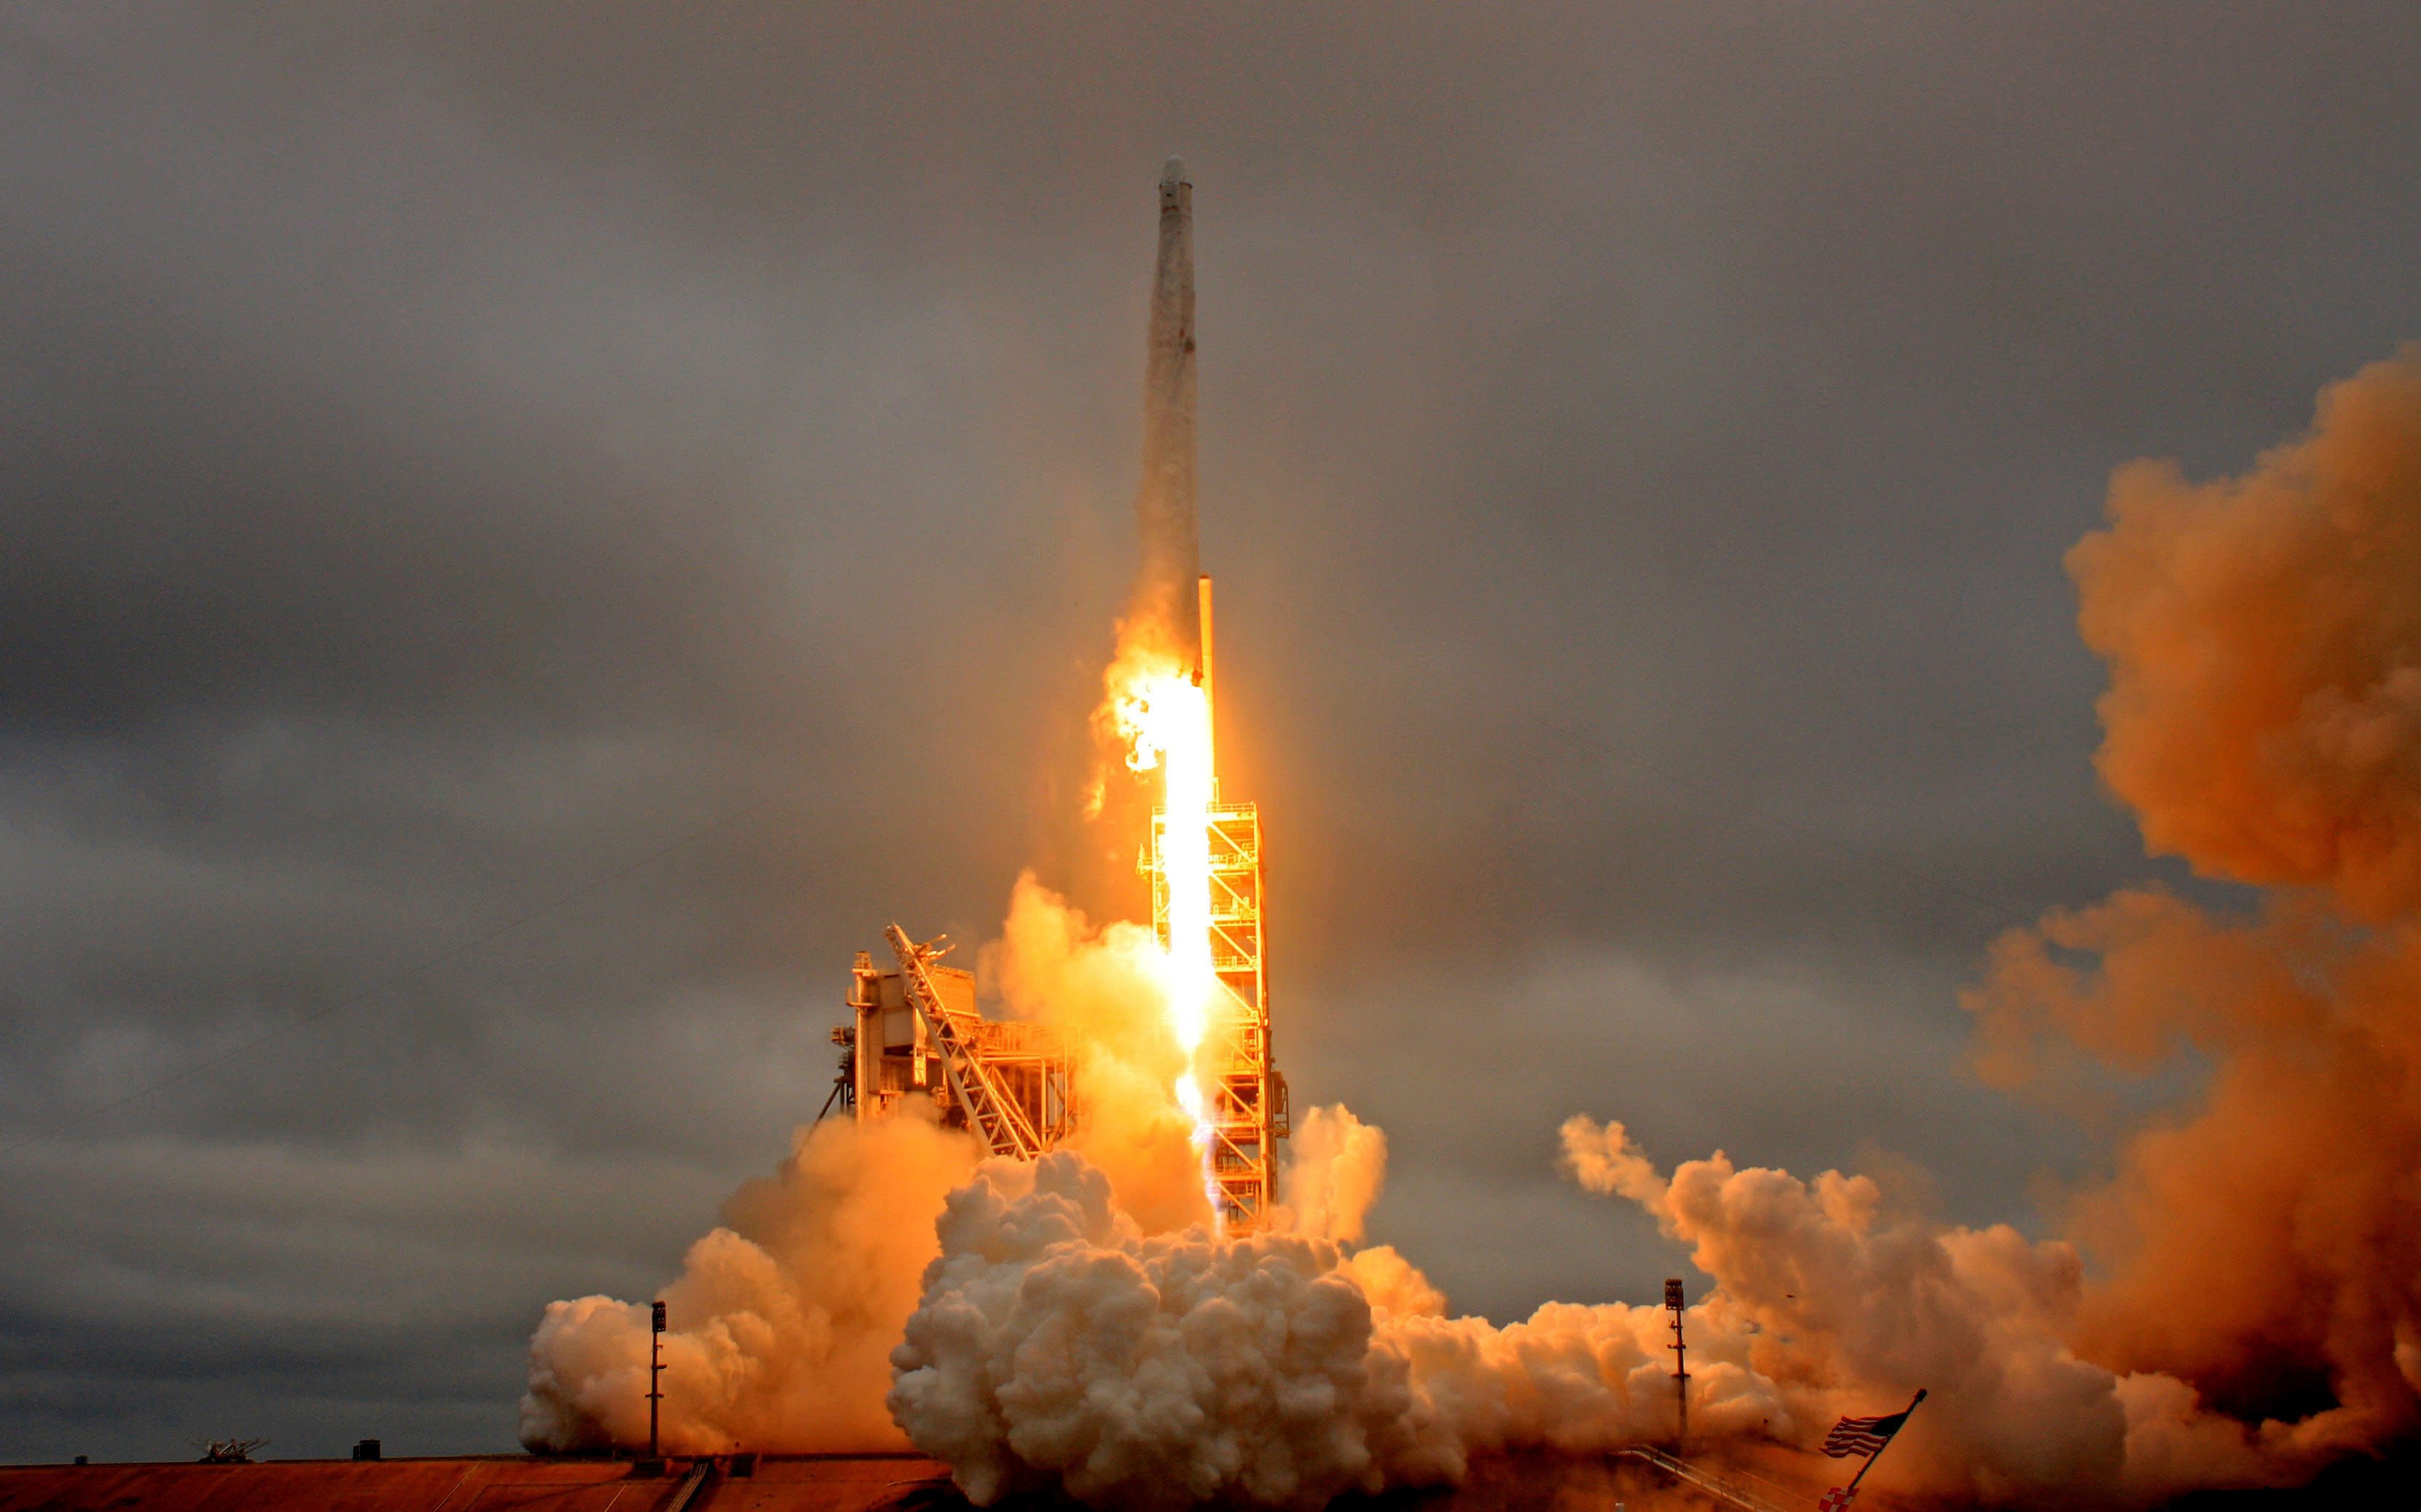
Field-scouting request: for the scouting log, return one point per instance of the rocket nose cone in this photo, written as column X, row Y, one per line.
column 1173, row 173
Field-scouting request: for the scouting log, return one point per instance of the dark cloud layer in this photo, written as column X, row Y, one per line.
column 449, row 458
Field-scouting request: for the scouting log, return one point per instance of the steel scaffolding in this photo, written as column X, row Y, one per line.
column 1245, row 1094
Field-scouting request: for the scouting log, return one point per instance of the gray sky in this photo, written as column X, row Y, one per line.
column 452, row 457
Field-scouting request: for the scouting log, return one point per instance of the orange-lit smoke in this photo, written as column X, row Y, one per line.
column 1052, row 964
column 2263, row 719
column 2263, row 636
column 1828, row 1296
column 783, row 1318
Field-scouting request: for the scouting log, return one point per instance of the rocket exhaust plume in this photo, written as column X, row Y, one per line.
column 1081, row 1323
column 2263, row 719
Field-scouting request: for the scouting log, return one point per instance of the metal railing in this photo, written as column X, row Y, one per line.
column 1728, row 1492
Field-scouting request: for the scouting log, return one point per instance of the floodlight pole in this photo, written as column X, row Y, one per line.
column 655, row 1376
column 1680, row 1365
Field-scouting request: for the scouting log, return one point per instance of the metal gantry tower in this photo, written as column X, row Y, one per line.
column 1245, row 1094
column 1246, row 1098
column 916, row 1032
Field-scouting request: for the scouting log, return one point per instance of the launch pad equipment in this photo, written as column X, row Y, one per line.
column 1697, row 1476
column 914, row 1031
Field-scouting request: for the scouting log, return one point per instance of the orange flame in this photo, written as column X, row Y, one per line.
column 1164, row 716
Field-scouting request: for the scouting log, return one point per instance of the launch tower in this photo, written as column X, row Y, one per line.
column 1246, row 1095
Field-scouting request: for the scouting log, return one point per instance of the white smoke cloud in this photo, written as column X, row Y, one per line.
column 1056, row 1344
column 1334, row 1175
column 1073, row 1324
column 1055, row 1340
column 1844, row 1305
column 1058, row 1347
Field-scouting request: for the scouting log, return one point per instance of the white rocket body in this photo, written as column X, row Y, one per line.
column 1172, row 554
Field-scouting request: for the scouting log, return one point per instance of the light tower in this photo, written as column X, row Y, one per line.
column 655, row 1373
column 1680, row 1366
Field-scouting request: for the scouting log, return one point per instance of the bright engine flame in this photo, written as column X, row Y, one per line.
column 1166, row 717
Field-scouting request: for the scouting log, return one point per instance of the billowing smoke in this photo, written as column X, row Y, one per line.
column 783, row 1318
column 2264, row 641
column 1337, row 1168
column 1059, row 1347
column 2263, row 719
column 1053, row 964
column 1832, row 1298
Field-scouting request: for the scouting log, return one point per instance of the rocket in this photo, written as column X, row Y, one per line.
column 1167, row 598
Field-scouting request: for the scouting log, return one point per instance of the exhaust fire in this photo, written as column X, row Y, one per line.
column 1164, row 716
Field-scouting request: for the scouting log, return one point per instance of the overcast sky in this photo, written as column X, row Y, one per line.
column 629, row 507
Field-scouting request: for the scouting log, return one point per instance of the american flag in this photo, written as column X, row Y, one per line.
column 1836, row 1498
column 1862, row 1434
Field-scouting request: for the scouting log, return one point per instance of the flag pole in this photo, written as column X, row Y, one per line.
column 1852, row 1487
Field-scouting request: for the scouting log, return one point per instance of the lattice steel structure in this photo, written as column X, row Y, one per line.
column 914, row 1031
column 1246, row 1096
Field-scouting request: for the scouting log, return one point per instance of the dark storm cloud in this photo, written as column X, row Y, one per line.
column 448, row 458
